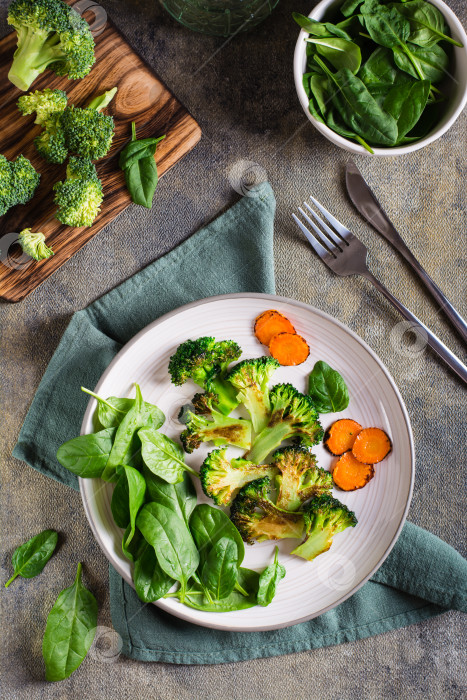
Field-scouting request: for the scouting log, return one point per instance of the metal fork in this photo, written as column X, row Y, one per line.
column 346, row 255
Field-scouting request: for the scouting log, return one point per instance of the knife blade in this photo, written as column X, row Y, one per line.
column 371, row 210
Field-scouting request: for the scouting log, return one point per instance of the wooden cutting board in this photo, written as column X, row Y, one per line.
column 142, row 97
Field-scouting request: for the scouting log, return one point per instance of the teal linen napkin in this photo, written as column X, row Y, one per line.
column 422, row 577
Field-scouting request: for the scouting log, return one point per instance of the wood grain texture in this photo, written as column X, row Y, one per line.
column 141, row 97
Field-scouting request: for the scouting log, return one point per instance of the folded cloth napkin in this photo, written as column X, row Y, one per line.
column 422, row 576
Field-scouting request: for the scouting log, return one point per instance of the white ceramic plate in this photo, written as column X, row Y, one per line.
column 309, row 588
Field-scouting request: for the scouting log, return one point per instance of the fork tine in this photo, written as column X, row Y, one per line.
column 337, row 240
column 344, row 232
column 320, row 250
column 322, row 238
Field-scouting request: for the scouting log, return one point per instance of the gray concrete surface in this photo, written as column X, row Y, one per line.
column 242, row 93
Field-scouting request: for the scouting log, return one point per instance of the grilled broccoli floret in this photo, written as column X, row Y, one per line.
column 79, row 197
column 251, row 380
column 218, row 429
column 89, row 133
column 293, row 415
column 221, row 479
column 299, row 478
column 44, row 103
column 257, row 518
column 50, row 35
column 33, row 244
column 324, row 517
column 18, row 182
column 206, row 362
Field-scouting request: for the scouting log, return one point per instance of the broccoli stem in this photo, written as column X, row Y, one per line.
column 268, row 440
column 30, row 59
column 226, row 393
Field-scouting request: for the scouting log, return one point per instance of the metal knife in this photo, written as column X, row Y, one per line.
column 369, row 207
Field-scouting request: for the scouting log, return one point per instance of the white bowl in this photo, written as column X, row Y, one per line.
column 454, row 107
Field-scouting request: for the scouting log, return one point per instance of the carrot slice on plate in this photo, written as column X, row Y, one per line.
column 289, row 348
column 371, row 445
column 340, row 437
column 349, row 474
column 269, row 324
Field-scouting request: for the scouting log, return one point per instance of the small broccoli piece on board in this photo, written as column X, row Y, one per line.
column 43, row 103
column 33, row 244
column 251, row 380
column 79, row 197
column 205, row 361
column 88, row 133
column 293, row 416
column 324, row 517
column 299, row 478
column 222, row 479
column 257, row 518
column 18, row 182
column 50, row 35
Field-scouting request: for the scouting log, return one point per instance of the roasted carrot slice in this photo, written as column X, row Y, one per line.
column 289, row 348
column 371, row 445
column 349, row 474
column 340, row 437
column 269, row 324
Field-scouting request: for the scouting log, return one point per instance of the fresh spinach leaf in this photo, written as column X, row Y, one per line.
column 340, row 53
column 319, row 28
column 349, row 7
column 319, row 87
column 30, row 558
column 180, row 498
column 426, row 23
column 112, row 410
column 69, row 631
column 163, row 456
column 269, row 580
column 127, row 499
column 208, row 525
column 140, row 169
column 169, row 535
column 333, row 124
column 132, row 550
column 248, row 580
column 425, row 64
column 327, row 389
column 151, row 581
column 406, row 103
column 220, row 570
column 87, row 455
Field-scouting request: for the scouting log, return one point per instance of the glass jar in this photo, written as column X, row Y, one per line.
column 219, row 17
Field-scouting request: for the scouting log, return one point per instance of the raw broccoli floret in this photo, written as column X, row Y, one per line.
column 33, row 244
column 50, row 143
column 251, row 379
column 257, row 518
column 299, row 478
column 206, row 362
column 44, row 103
column 293, row 416
column 222, row 479
column 79, row 197
column 89, row 133
column 50, row 35
column 217, row 428
column 324, row 517
column 18, row 182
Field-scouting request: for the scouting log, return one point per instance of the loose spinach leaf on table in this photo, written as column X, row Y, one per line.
column 112, row 410
column 151, row 581
column 163, row 456
column 30, row 558
column 269, row 580
column 175, row 549
column 140, row 169
column 247, row 580
column 327, row 389
column 69, row 631
column 220, row 570
column 127, row 499
column 208, row 525
column 406, row 103
column 87, row 455
column 180, row 497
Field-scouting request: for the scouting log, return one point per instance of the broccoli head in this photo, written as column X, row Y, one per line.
column 257, row 518
column 44, row 103
column 50, row 35
column 206, row 361
column 50, row 143
column 324, row 517
column 293, row 416
column 218, row 429
column 18, row 182
column 299, row 477
column 79, row 197
column 221, row 479
column 88, row 133
column 251, row 380
column 33, row 244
